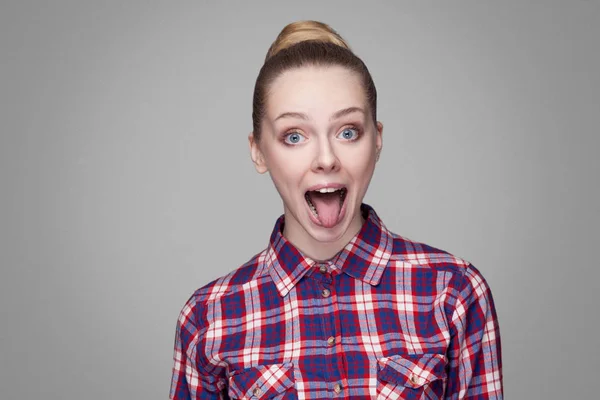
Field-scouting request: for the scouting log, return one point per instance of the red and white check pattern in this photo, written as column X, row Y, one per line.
column 386, row 318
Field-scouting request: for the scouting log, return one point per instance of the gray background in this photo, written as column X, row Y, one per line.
column 126, row 180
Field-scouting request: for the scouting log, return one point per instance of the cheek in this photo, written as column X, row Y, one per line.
column 286, row 169
column 364, row 173
column 289, row 161
column 360, row 162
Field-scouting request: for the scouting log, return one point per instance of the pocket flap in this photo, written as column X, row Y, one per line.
column 413, row 370
column 261, row 382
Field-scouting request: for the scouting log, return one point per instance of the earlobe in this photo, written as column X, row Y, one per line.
column 256, row 154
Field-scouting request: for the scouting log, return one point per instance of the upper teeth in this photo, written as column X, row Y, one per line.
column 327, row 190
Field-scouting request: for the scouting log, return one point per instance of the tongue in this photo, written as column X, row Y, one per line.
column 328, row 207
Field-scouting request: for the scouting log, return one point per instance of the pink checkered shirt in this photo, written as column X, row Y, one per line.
column 386, row 318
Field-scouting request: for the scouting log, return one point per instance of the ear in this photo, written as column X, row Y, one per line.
column 379, row 138
column 257, row 155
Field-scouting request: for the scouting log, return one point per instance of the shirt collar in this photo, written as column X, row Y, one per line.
column 364, row 257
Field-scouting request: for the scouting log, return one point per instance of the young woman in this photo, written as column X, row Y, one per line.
column 336, row 306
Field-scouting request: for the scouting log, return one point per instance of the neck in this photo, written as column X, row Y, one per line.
column 316, row 249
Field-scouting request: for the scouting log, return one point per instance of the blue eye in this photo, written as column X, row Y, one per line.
column 293, row 138
column 349, row 134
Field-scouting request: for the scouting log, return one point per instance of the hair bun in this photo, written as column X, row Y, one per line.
column 301, row 31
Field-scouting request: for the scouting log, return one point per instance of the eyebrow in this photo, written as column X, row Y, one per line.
column 336, row 115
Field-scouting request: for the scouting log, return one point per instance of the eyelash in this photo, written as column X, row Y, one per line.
column 353, row 127
column 287, row 134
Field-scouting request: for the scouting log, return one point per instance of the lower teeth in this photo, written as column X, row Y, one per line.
column 314, row 209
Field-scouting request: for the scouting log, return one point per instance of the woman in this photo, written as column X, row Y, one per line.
column 336, row 306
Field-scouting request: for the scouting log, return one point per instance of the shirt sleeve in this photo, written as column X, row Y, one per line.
column 475, row 361
column 190, row 380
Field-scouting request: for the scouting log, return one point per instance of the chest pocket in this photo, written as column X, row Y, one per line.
column 274, row 381
column 411, row 377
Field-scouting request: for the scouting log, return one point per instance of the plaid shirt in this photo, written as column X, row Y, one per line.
column 386, row 318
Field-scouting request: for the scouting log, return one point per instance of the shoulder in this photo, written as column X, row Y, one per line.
column 461, row 272
column 431, row 270
column 253, row 270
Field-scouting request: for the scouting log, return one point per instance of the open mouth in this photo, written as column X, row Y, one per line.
column 326, row 204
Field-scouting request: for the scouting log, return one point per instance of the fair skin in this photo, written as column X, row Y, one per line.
column 318, row 134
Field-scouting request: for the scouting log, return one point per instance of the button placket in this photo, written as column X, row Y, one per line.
column 326, row 279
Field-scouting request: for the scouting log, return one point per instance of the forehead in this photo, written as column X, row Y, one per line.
column 315, row 91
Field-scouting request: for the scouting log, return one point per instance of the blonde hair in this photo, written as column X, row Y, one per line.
column 301, row 31
column 307, row 43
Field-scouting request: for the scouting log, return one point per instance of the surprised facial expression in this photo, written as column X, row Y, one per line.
column 319, row 143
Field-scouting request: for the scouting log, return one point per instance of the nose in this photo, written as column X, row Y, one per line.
column 325, row 158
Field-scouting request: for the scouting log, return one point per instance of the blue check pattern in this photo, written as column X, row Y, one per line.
column 386, row 318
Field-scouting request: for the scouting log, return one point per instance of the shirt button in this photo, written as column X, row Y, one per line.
column 257, row 392
column 337, row 388
column 323, row 269
column 325, row 292
column 331, row 341
column 414, row 379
